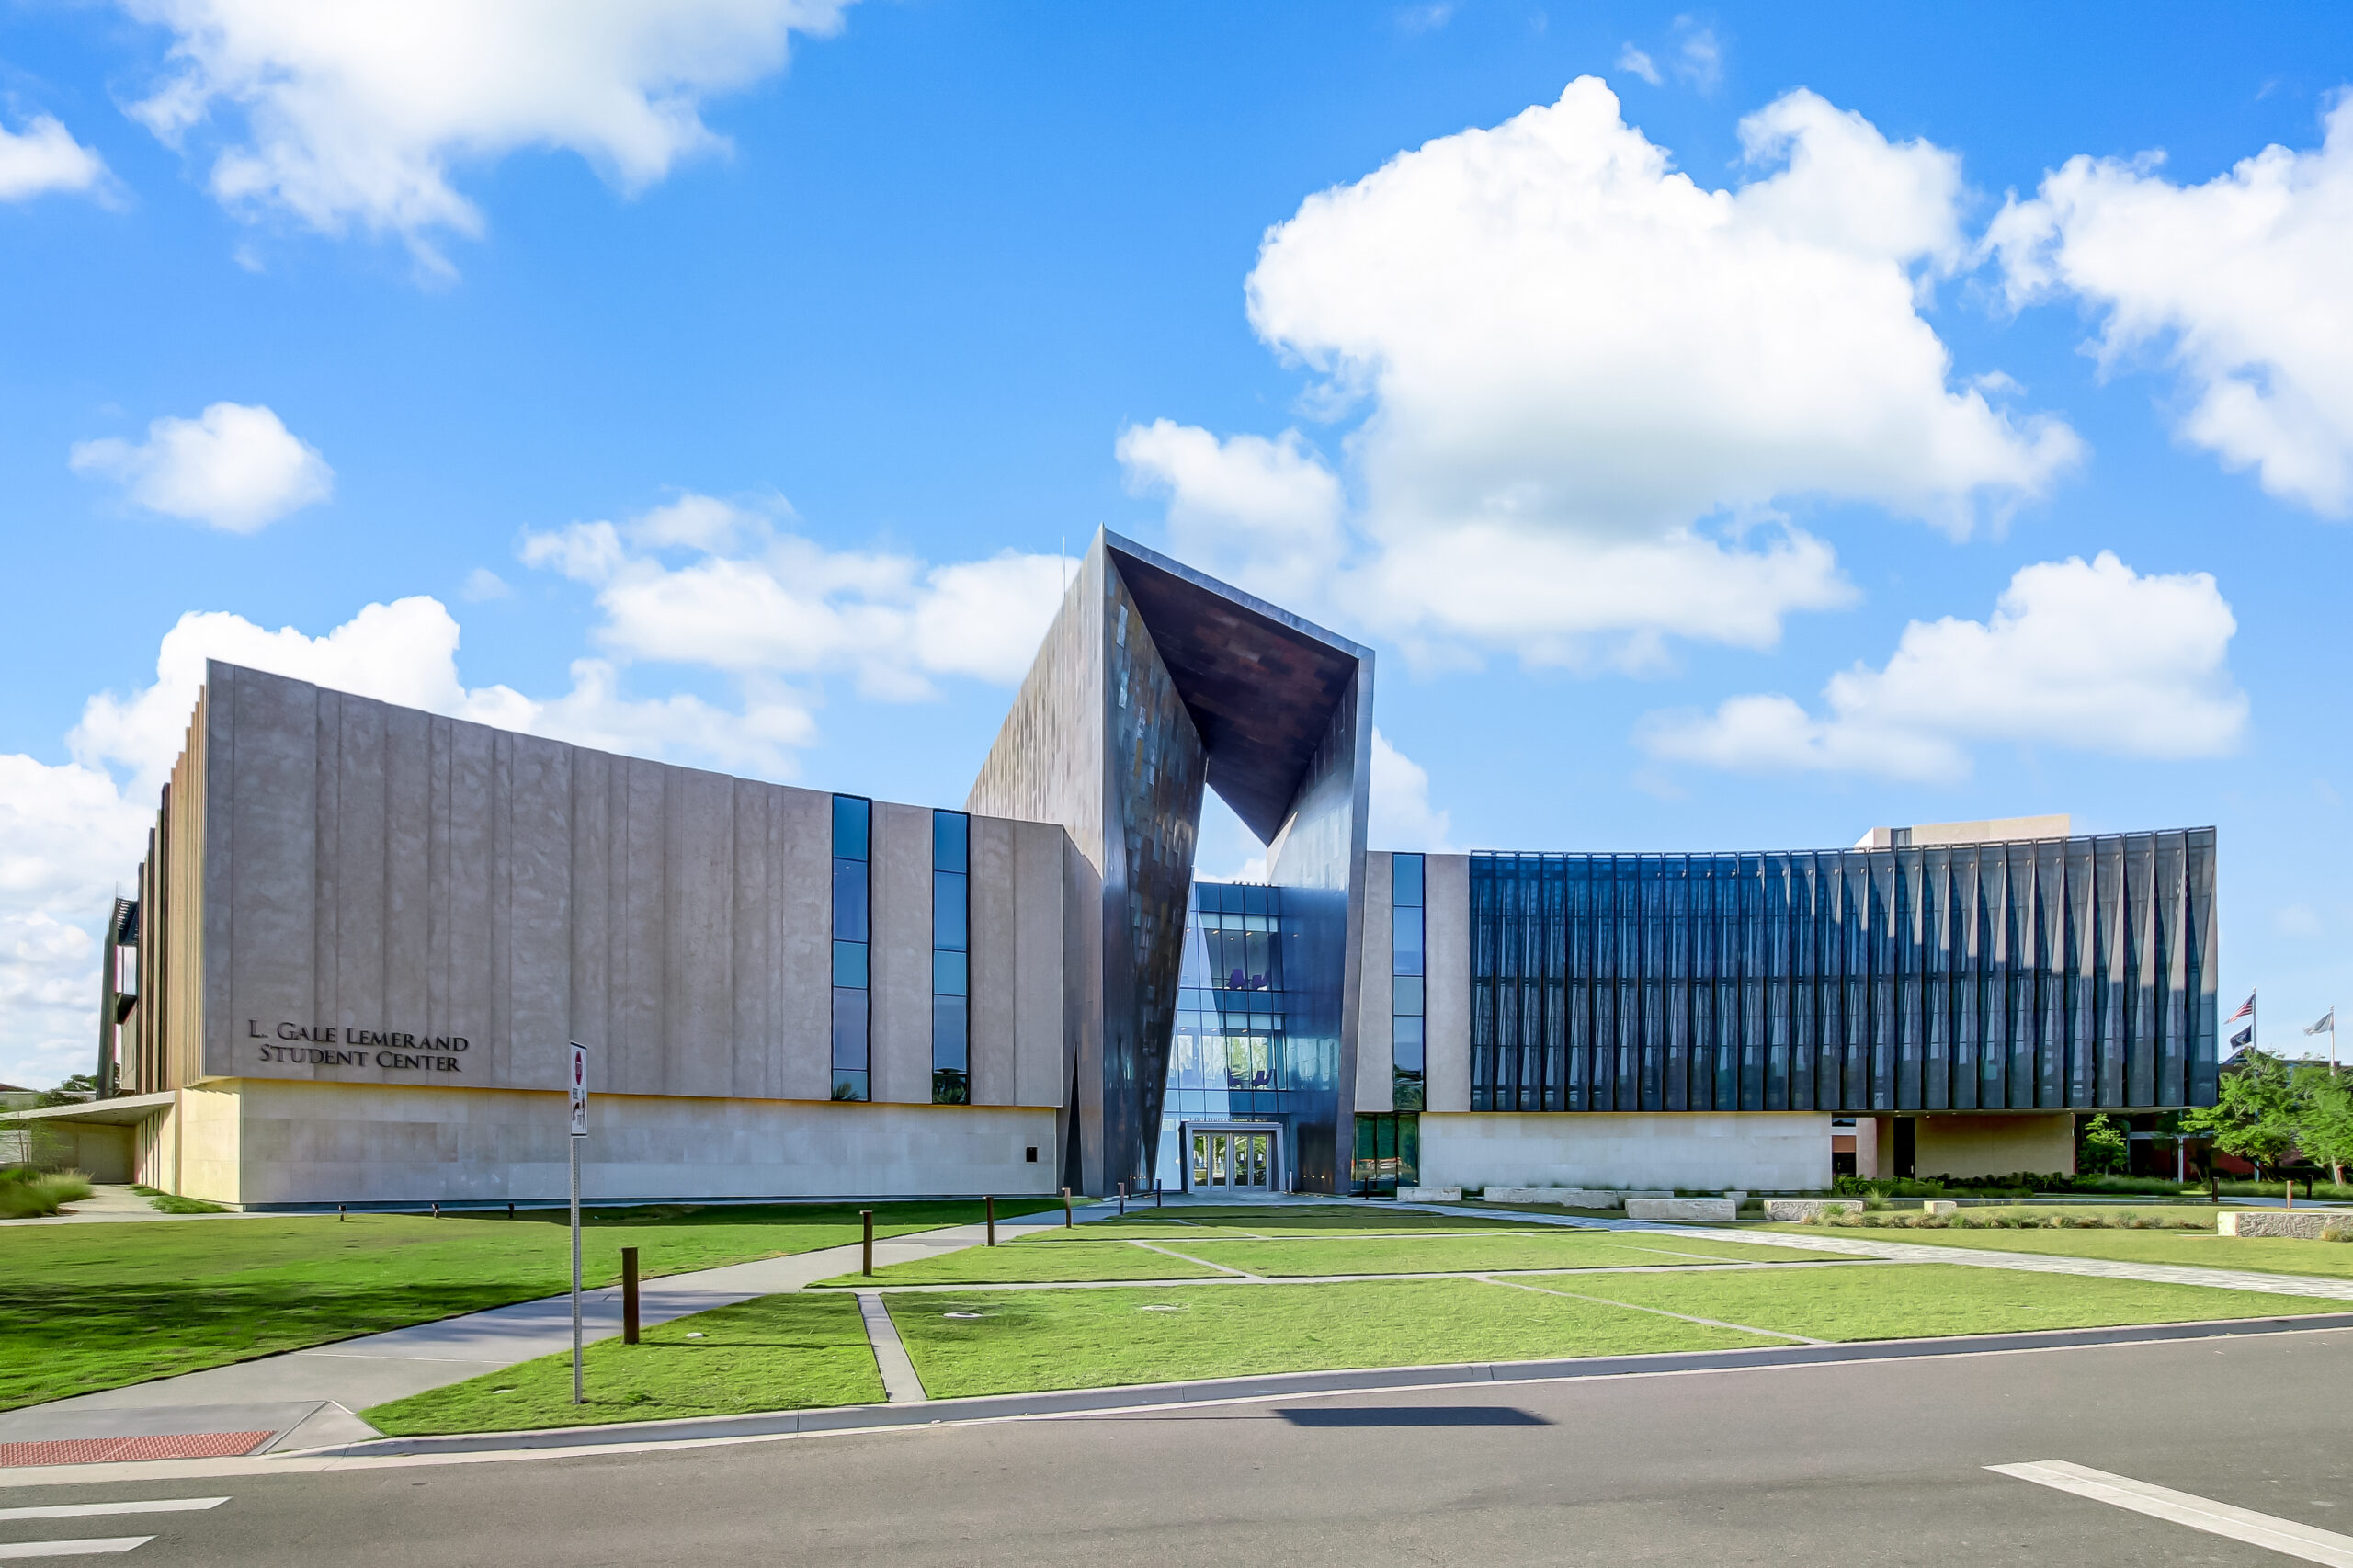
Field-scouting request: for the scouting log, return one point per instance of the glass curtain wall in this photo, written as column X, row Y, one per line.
column 2054, row 974
column 1232, row 1057
column 951, row 969
column 853, row 934
column 1407, row 1005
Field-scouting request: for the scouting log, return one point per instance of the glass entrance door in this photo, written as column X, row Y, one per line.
column 1233, row 1160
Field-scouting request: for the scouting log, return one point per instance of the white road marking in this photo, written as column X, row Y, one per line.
column 91, row 1548
column 2279, row 1535
column 88, row 1510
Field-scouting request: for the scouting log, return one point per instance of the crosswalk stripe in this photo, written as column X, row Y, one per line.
column 2284, row 1536
column 90, row 1548
column 92, row 1511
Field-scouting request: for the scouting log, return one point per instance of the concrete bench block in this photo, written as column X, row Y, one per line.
column 1525, row 1195
column 1940, row 1206
column 1794, row 1209
column 2303, row 1225
column 1682, row 1209
column 1429, row 1195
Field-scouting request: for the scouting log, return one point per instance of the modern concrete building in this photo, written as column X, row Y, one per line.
column 364, row 936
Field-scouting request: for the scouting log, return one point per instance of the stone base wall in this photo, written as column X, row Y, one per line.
column 1716, row 1208
column 1767, row 1151
column 256, row 1141
column 2305, row 1224
column 1791, row 1210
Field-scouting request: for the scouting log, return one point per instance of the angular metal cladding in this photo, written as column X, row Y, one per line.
column 1154, row 682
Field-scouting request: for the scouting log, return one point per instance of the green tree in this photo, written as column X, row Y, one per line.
column 2326, row 1134
column 73, row 1091
column 2100, row 1147
column 2256, row 1114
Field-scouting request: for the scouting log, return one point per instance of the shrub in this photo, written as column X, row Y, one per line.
column 25, row 1193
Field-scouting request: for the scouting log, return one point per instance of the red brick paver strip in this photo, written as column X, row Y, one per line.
column 99, row 1450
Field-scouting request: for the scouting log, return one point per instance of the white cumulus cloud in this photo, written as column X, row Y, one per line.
column 1589, row 384
column 1402, row 816
column 2088, row 655
column 706, row 581
column 234, row 467
column 2241, row 282
column 1262, row 514
column 357, row 113
column 44, row 157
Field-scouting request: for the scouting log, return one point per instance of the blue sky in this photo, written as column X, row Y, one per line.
column 763, row 353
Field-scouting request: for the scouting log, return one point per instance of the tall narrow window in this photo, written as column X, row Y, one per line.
column 951, row 958
column 1408, row 1008
column 853, row 819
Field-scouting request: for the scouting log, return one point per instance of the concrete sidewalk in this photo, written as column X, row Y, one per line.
column 1848, row 1243
column 353, row 1374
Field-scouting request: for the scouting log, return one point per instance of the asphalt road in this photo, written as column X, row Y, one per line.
column 1876, row 1462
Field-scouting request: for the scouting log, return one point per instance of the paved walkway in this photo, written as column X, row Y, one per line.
column 1837, row 1241
column 112, row 1204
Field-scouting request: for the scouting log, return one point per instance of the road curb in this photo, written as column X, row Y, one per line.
column 1133, row 1396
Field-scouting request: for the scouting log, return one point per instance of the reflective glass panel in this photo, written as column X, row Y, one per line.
column 1405, row 879
column 851, row 816
column 949, row 917
column 849, row 901
column 949, row 973
column 949, row 834
column 849, row 964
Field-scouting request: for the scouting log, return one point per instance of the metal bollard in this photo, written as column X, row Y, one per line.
column 341, row 1213
column 629, row 1295
column 510, row 1210
column 990, row 1202
column 1123, row 1199
column 1066, row 1225
column 868, row 1215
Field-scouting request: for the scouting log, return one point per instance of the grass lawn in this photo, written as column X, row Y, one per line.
column 1029, row 1262
column 90, row 1307
column 776, row 1353
column 1903, row 1301
column 1000, row 1342
column 1444, row 1255
column 2259, row 1254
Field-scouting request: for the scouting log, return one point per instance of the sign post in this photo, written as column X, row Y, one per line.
column 579, row 1130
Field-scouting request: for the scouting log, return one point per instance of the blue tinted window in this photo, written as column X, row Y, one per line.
column 949, row 833
column 1405, row 876
column 949, row 916
column 1408, row 1041
column 849, row 901
column 950, row 1049
column 1407, row 992
column 849, row 964
column 851, row 816
column 1405, row 943
column 949, row 974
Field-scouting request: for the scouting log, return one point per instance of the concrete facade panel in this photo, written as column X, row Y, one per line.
column 1755, row 1151
column 412, row 881
column 284, row 1142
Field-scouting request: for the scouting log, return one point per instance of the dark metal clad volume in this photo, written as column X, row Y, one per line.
column 2045, row 974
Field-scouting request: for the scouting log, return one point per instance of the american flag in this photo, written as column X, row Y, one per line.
column 2246, row 1012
